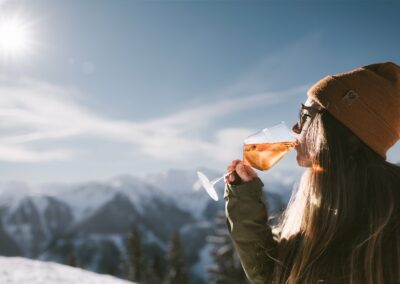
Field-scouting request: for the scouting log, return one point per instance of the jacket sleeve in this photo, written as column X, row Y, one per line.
column 251, row 235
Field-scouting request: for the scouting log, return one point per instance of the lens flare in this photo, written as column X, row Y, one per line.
column 318, row 169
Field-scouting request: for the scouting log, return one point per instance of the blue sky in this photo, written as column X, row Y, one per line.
column 113, row 87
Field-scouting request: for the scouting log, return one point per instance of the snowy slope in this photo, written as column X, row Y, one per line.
column 18, row 270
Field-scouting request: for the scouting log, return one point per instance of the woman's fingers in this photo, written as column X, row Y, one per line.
column 240, row 170
column 250, row 171
column 231, row 177
column 232, row 166
column 245, row 172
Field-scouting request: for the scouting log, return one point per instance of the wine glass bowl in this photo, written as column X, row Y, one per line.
column 261, row 150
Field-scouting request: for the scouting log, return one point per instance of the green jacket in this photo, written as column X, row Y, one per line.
column 259, row 249
column 251, row 235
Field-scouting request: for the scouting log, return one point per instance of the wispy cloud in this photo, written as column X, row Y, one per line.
column 14, row 153
column 3, row 1
column 36, row 118
column 209, row 112
column 32, row 112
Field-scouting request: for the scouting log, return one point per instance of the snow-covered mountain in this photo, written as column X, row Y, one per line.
column 18, row 270
column 91, row 220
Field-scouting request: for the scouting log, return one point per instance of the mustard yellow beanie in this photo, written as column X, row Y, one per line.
column 366, row 100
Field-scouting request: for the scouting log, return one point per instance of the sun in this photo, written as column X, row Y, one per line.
column 15, row 36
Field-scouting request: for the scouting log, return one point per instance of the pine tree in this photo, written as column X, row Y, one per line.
column 226, row 268
column 112, row 270
column 156, row 269
column 135, row 255
column 71, row 260
column 176, row 270
column 153, row 271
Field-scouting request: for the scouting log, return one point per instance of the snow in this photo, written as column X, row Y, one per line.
column 18, row 270
column 21, row 234
column 152, row 238
column 185, row 229
column 86, row 198
column 12, row 192
column 179, row 185
column 41, row 204
column 83, row 198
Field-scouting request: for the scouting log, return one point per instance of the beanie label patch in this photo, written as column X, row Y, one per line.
column 349, row 98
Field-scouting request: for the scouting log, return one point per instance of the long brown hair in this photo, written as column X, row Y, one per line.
column 342, row 224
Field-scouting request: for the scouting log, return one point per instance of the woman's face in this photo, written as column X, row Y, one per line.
column 303, row 155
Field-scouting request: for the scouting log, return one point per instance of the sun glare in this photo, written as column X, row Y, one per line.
column 14, row 36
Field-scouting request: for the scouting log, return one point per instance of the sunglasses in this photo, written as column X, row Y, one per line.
column 305, row 113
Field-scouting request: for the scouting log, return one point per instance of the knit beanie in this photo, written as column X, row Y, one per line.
column 366, row 100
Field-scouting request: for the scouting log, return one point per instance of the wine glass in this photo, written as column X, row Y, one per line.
column 261, row 150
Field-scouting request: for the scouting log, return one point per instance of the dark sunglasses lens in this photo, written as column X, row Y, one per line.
column 301, row 119
column 299, row 122
column 296, row 128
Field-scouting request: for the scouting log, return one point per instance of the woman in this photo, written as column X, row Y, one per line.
column 342, row 224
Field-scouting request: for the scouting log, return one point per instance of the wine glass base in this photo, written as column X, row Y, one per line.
column 207, row 185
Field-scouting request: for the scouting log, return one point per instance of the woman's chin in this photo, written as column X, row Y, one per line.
column 303, row 162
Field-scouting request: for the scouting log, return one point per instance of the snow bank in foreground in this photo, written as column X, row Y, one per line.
column 18, row 270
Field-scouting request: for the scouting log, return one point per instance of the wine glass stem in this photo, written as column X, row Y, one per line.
column 218, row 179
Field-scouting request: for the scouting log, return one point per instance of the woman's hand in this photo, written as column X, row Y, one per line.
column 245, row 172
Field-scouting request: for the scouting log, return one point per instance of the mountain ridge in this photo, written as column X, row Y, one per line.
column 91, row 220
